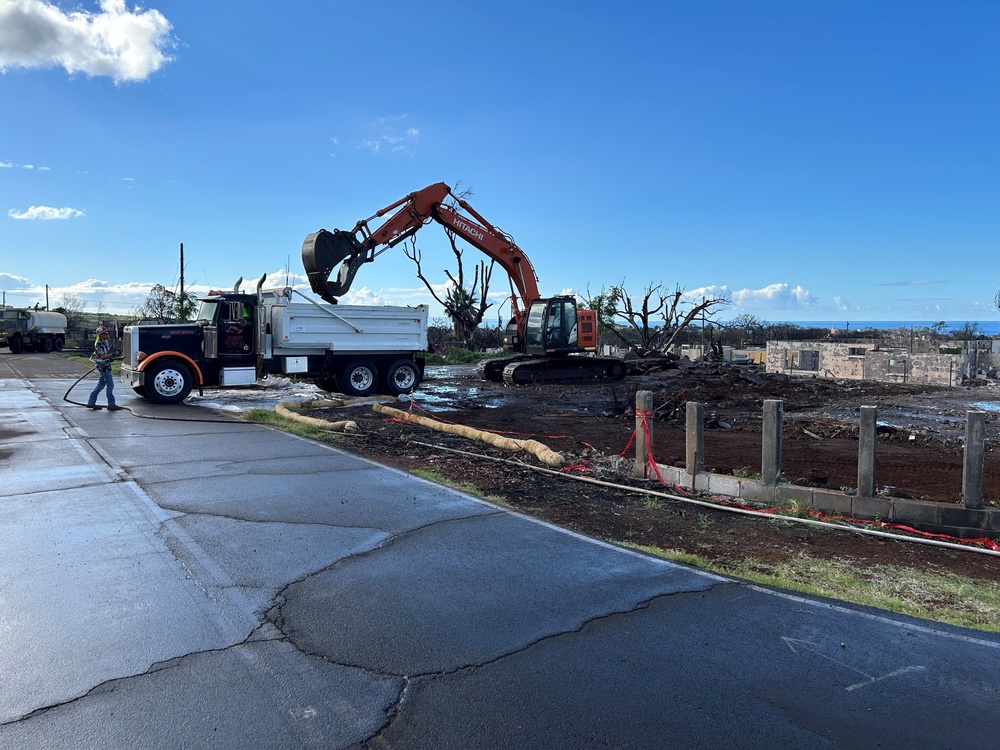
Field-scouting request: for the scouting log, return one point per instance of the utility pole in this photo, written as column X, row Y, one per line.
column 703, row 353
column 182, row 307
column 46, row 296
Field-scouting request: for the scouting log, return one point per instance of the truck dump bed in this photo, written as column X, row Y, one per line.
column 307, row 328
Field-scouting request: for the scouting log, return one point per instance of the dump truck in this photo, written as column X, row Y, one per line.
column 27, row 330
column 239, row 338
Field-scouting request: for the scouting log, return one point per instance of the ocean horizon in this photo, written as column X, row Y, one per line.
column 988, row 327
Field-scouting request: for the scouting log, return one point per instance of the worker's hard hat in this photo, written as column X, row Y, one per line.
column 101, row 329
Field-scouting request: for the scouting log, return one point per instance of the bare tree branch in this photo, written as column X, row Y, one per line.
column 464, row 305
column 675, row 321
column 641, row 319
column 413, row 253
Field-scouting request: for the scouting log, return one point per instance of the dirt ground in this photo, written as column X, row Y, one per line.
column 919, row 455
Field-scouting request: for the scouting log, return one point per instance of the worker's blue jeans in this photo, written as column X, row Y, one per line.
column 107, row 381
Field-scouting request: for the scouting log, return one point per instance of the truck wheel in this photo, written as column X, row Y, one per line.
column 403, row 376
column 47, row 345
column 168, row 382
column 359, row 378
column 15, row 345
column 60, row 343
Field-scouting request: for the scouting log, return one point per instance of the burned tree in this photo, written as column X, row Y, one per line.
column 160, row 305
column 676, row 319
column 747, row 330
column 673, row 310
column 464, row 305
column 641, row 318
column 71, row 306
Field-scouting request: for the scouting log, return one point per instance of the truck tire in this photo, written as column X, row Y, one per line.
column 403, row 376
column 60, row 343
column 168, row 382
column 47, row 346
column 358, row 378
column 15, row 345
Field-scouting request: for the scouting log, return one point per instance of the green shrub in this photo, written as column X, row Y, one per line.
column 456, row 356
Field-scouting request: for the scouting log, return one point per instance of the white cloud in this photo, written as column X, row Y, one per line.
column 122, row 298
column 116, row 298
column 123, row 44
column 46, row 213
column 9, row 281
column 12, row 165
column 841, row 304
column 363, row 296
column 770, row 297
column 390, row 136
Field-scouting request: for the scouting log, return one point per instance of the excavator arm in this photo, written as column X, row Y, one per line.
column 322, row 251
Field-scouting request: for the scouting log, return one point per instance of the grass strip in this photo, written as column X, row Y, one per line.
column 942, row 597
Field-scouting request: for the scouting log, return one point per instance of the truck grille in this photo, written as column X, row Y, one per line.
column 127, row 349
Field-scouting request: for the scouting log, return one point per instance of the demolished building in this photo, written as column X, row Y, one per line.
column 922, row 362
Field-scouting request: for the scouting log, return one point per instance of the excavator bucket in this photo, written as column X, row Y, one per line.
column 321, row 252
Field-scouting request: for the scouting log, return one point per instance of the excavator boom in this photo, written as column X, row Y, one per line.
column 322, row 251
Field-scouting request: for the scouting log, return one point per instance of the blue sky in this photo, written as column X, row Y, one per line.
column 807, row 159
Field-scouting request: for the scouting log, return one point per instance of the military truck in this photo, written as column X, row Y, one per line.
column 239, row 338
column 27, row 330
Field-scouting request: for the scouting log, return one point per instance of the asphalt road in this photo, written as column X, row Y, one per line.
column 172, row 578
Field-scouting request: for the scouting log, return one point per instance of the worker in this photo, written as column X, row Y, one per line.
column 103, row 357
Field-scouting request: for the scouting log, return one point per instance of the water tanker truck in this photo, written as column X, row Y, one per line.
column 26, row 330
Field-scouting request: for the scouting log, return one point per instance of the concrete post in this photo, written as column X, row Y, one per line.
column 975, row 451
column 643, row 423
column 866, row 451
column 771, row 449
column 695, row 439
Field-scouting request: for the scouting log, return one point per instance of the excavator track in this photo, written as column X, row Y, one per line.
column 493, row 369
column 549, row 369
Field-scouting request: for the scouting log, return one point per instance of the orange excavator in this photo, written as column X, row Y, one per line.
column 550, row 338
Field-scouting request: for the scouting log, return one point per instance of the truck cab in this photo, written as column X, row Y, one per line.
column 165, row 361
column 230, row 320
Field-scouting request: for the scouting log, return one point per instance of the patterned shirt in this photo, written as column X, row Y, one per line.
column 102, row 354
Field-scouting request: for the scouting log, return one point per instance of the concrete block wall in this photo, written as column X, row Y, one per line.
column 862, row 361
column 836, row 361
column 938, row 369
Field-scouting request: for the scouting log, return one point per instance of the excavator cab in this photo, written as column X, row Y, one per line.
column 551, row 327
